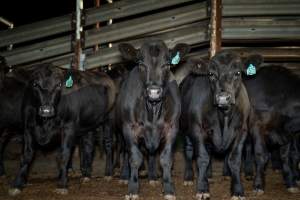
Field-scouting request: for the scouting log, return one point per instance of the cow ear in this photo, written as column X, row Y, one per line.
column 178, row 52
column 198, row 66
column 128, row 51
column 252, row 63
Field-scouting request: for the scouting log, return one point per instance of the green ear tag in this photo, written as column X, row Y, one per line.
column 175, row 59
column 251, row 70
column 69, row 82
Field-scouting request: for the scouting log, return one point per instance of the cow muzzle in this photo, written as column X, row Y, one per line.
column 46, row 111
column 154, row 93
column 224, row 99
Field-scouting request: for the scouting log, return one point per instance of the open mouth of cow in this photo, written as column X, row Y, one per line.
column 154, row 94
column 46, row 111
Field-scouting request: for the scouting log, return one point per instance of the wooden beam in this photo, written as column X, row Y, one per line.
column 215, row 27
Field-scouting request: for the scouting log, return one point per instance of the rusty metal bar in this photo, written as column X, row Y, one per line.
column 215, row 27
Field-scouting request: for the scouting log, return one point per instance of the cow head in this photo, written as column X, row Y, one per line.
column 154, row 60
column 46, row 85
column 224, row 72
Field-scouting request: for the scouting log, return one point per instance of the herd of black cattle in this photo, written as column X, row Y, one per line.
column 229, row 105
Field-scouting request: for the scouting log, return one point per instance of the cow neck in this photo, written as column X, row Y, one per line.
column 225, row 118
column 153, row 110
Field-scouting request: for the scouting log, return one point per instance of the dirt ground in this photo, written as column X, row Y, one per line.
column 42, row 183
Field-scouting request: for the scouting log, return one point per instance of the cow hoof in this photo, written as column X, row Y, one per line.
column 117, row 173
column 258, row 192
column 227, row 178
column 123, row 182
column 293, row 190
column 238, row 198
column 14, row 192
column 202, row 196
column 170, row 197
column 72, row 173
column 143, row 173
column 108, row 178
column 188, row 183
column 61, row 191
column 132, row 197
column 154, row 183
column 85, row 179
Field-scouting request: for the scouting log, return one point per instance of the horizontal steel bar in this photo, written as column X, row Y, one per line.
column 234, row 29
column 271, row 2
column 119, row 31
column 63, row 24
column 261, row 28
column 191, row 35
column 237, row 9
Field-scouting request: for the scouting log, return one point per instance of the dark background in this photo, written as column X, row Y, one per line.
column 26, row 11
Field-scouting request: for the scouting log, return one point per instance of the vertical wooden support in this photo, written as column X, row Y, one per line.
column 97, row 26
column 215, row 27
column 110, row 23
column 79, row 56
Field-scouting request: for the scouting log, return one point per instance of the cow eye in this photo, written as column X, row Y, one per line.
column 34, row 84
column 237, row 74
column 211, row 75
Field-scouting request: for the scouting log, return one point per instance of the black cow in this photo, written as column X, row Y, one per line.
column 57, row 111
column 12, row 87
column 215, row 110
column 148, row 108
column 275, row 97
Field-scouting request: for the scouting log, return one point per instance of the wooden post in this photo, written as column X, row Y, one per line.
column 97, row 5
column 215, row 27
column 79, row 55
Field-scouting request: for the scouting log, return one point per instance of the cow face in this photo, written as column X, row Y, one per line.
column 224, row 72
column 154, row 60
column 46, row 86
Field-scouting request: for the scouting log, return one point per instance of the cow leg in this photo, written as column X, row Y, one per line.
column 152, row 171
column 108, row 151
column 125, row 171
column 261, row 158
column 71, row 170
column 166, row 161
column 275, row 160
column 65, row 154
column 294, row 157
column 248, row 158
column 188, row 155
column 226, row 169
column 203, row 160
column 136, row 159
column 26, row 159
column 234, row 163
column 286, row 168
column 209, row 148
column 3, row 140
column 118, row 150
column 87, row 143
